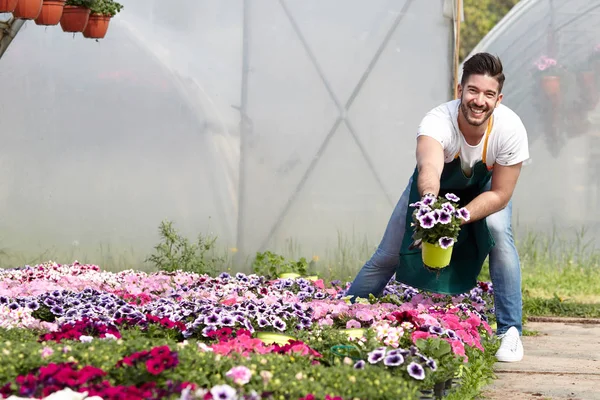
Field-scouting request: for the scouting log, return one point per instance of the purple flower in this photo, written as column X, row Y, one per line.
column 438, row 330
column 376, row 355
column 431, row 364
column 445, row 242
column 57, row 310
column 360, row 364
column 448, row 207
column 212, row 319
column 427, row 221
column 33, row 305
column 452, row 197
column 444, row 217
column 223, row 392
column 393, row 360
column 427, row 201
column 422, row 211
column 416, row 371
column 464, row 214
column 279, row 324
column 417, row 204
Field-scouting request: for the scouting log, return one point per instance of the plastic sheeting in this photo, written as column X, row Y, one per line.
column 104, row 140
column 560, row 188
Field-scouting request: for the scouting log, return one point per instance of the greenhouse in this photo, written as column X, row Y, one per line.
column 193, row 193
column 551, row 53
column 240, row 121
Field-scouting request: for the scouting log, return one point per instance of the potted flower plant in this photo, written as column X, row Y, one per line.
column 550, row 72
column 76, row 14
column 102, row 12
column 436, row 222
column 51, row 14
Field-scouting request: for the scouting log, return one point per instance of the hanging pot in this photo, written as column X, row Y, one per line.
column 52, row 11
column 8, row 6
column 436, row 257
column 97, row 26
column 28, row 9
column 74, row 18
column 551, row 85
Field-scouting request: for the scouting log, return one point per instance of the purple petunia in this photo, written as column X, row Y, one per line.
column 463, row 213
column 428, row 220
column 427, row 201
column 422, row 211
column 445, row 242
column 360, row 364
column 376, row 355
column 393, row 360
column 452, row 197
column 416, row 371
column 444, row 217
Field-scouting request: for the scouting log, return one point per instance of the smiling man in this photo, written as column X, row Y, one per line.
column 473, row 147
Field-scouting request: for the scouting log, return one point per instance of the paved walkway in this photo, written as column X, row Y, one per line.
column 562, row 362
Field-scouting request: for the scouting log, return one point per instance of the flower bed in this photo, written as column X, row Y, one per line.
column 180, row 335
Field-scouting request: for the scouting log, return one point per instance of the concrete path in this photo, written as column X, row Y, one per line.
column 561, row 362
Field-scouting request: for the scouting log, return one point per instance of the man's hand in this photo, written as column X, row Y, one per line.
column 504, row 180
column 430, row 163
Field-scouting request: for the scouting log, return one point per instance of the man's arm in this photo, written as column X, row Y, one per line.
column 504, row 180
column 430, row 163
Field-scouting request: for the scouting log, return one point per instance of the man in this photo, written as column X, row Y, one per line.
column 473, row 147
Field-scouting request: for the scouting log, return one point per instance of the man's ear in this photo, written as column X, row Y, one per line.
column 500, row 97
column 459, row 90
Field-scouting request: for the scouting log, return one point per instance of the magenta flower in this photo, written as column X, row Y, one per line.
column 452, row 197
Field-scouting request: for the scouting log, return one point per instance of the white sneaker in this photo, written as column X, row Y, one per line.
column 511, row 348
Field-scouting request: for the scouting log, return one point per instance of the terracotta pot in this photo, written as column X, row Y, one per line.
column 52, row 11
column 97, row 26
column 8, row 6
column 28, row 9
column 551, row 85
column 74, row 18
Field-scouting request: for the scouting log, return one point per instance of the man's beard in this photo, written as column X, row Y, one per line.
column 481, row 119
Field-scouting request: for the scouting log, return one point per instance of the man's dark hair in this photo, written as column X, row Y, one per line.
column 483, row 64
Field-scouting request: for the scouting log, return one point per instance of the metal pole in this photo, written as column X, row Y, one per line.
column 8, row 31
column 244, row 130
column 457, row 46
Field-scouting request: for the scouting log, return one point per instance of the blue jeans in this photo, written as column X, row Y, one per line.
column 505, row 267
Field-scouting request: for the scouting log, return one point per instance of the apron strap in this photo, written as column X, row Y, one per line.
column 485, row 141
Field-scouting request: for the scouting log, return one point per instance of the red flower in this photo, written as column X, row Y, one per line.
column 155, row 366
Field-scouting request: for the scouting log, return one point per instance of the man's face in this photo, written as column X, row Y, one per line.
column 479, row 97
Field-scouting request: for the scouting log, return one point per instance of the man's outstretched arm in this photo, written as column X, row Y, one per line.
column 504, row 180
column 430, row 163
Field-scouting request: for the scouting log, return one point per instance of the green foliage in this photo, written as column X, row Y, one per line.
column 43, row 313
column 80, row 3
column 271, row 265
column 480, row 18
column 176, row 252
column 106, row 7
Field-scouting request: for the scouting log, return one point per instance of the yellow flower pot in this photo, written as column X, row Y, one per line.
column 273, row 337
column 288, row 275
column 355, row 333
column 436, row 257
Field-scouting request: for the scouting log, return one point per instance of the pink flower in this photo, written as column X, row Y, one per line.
column 47, row 352
column 240, row 375
column 416, row 335
column 352, row 324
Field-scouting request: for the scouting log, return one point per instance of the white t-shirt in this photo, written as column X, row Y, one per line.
column 507, row 142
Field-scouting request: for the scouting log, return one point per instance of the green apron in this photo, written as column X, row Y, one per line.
column 474, row 240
